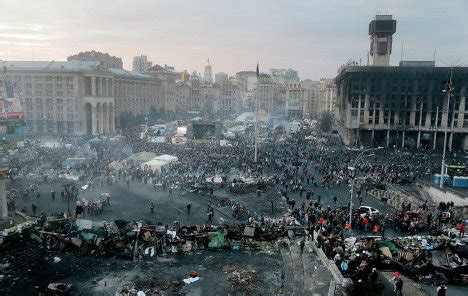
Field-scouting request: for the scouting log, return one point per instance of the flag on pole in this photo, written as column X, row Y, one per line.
column 258, row 71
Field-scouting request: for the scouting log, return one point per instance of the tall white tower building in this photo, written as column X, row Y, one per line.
column 208, row 75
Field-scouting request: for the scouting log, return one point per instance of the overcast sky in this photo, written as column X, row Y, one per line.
column 315, row 37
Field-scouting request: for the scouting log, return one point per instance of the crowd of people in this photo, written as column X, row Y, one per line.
column 304, row 171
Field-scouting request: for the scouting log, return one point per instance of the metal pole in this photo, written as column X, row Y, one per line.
column 442, row 169
column 256, row 124
column 3, row 176
column 351, row 205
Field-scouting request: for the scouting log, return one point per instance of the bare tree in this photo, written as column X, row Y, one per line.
column 326, row 122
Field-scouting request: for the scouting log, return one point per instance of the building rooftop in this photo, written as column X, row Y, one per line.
column 57, row 65
column 158, row 68
column 128, row 73
column 406, row 70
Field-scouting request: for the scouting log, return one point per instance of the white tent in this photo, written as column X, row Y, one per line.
column 167, row 158
column 155, row 165
column 116, row 165
column 141, row 157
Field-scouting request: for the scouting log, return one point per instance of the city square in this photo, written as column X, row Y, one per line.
column 163, row 181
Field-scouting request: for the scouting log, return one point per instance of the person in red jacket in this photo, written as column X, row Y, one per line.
column 461, row 229
column 365, row 223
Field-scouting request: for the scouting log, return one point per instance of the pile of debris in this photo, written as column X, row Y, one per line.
column 245, row 278
column 129, row 239
column 431, row 259
column 150, row 286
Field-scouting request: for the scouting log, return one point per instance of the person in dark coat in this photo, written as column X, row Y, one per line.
column 373, row 276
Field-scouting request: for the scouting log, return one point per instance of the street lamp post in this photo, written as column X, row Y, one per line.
column 353, row 176
column 3, row 176
column 448, row 89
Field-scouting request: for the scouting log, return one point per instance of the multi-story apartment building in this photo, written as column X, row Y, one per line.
column 215, row 99
column 284, row 76
column 141, row 64
column 294, row 100
column 107, row 61
column 221, row 77
column 247, row 80
column 402, row 106
column 327, row 96
column 229, row 100
column 311, row 98
column 271, row 96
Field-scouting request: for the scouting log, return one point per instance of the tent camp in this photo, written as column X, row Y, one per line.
column 167, row 158
column 141, row 157
column 250, row 116
column 154, row 165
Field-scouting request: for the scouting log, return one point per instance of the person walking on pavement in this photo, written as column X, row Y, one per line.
column 170, row 191
column 152, row 207
column 397, row 284
column 210, row 214
column 52, row 195
column 189, row 207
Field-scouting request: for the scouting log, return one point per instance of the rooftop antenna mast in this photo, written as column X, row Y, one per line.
column 401, row 55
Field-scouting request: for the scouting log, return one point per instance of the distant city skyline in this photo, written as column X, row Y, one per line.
column 312, row 37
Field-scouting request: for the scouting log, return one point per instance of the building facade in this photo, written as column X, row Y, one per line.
column 270, row 96
column 166, row 92
column 247, row 80
column 402, row 106
column 327, row 96
column 208, row 74
column 213, row 99
column 83, row 97
column 107, row 61
column 141, row 64
column 134, row 93
column 284, row 76
column 381, row 30
column 311, row 98
column 221, row 77
column 74, row 97
column 294, row 100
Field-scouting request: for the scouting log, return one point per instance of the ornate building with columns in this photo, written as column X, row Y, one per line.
column 134, row 93
column 83, row 97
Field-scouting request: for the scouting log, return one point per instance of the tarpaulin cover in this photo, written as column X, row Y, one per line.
column 216, row 240
column 391, row 246
column 88, row 236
